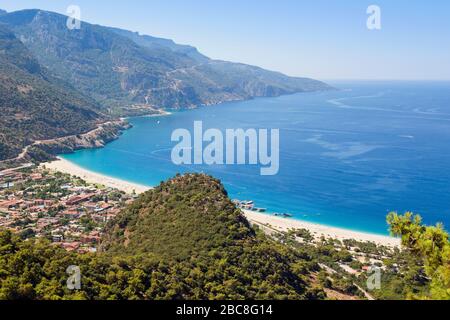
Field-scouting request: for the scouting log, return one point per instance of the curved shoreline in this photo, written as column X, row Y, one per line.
column 277, row 223
column 66, row 166
column 319, row 230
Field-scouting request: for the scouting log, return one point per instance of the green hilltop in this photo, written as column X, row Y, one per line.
column 186, row 240
column 182, row 240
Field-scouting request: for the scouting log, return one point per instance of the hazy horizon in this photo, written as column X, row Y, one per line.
column 325, row 41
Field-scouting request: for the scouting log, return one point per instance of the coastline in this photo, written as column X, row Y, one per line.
column 66, row 166
column 265, row 220
column 161, row 113
column 319, row 230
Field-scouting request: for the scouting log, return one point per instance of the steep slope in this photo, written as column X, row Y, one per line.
column 190, row 221
column 108, row 67
column 162, row 44
column 218, row 81
column 184, row 216
column 32, row 105
column 183, row 240
column 123, row 70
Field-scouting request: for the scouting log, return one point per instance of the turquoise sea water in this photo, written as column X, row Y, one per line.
column 347, row 157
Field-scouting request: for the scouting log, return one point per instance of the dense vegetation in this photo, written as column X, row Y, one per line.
column 211, row 253
column 188, row 214
column 186, row 240
column 432, row 246
column 190, row 219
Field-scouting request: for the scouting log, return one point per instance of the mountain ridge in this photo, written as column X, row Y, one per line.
column 95, row 74
column 33, row 105
column 122, row 69
column 150, row 41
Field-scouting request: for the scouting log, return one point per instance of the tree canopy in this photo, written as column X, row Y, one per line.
column 432, row 244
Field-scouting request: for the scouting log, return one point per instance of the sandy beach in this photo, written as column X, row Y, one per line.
column 65, row 166
column 277, row 223
column 284, row 224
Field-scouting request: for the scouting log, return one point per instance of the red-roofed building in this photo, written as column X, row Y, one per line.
column 72, row 214
column 79, row 199
column 70, row 246
column 90, row 239
column 10, row 204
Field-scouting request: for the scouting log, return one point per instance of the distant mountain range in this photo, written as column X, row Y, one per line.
column 56, row 81
column 121, row 69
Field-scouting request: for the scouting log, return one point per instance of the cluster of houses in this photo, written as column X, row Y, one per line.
column 70, row 215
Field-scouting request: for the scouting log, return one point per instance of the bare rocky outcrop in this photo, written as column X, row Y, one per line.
column 96, row 138
column 44, row 150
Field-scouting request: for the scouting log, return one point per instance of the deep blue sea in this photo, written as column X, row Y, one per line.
column 347, row 157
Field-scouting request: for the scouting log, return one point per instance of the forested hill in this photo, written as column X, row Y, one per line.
column 182, row 240
column 33, row 105
column 190, row 222
column 125, row 71
column 185, row 216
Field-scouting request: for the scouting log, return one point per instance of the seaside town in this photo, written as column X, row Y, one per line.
column 44, row 202
column 37, row 202
column 41, row 202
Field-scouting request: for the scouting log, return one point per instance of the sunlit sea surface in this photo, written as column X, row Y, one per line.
column 347, row 157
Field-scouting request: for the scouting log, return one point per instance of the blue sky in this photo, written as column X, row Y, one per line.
column 323, row 39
